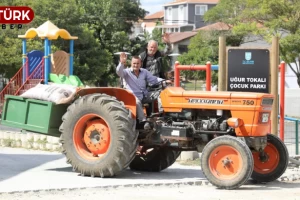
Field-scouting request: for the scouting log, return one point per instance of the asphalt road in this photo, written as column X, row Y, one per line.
column 30, row 174
column 26, row 170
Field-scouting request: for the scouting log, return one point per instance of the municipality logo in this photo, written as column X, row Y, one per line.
column 248, row 57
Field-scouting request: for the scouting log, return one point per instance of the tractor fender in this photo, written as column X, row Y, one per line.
column 121, row 94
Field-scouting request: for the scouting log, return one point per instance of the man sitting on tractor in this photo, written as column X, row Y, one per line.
column 136, row 79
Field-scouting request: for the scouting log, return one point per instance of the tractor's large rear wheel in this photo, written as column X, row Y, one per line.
column 98, row 136
column 227, row 162
column 154, row 160
column 273, row 163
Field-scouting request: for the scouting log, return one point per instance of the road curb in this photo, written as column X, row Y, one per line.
column 286, row 178
column 137, row 185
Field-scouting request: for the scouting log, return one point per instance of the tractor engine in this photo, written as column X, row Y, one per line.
column 190, row 124
column 201, row 120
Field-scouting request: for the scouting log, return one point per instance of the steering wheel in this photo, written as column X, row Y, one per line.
column 158, row 86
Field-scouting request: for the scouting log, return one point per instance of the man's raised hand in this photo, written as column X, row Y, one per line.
column 123, row 58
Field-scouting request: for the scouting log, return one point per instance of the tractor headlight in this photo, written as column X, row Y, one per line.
column 267, row 101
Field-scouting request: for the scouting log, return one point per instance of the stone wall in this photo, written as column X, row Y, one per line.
column 36, row 141
column 29, row 140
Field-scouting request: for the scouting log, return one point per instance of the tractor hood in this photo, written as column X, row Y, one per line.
column 174, row 99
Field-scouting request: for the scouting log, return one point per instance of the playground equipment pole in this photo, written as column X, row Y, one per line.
column 49, row 54
column 274, row 84
column 71, row 56
column 24, row 60
column 282, row 95
column 208, row 76
column 46, row 56
column 297, row 137
column 222, row 64
column 206, row 67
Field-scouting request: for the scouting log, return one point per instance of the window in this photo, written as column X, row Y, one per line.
column 183, row 49
column 181, row 14
column 169, row 12
column 169, row 15
column 200, row 9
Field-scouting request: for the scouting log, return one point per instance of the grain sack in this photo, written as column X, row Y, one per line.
column 56, row 93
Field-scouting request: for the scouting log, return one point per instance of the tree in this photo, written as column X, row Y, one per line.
column 111, row 22
column 11, row 46
column 265, row 18
column 228, row 12
column 102, row 27
column 203, row 47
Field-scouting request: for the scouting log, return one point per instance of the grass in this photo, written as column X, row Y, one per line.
column 190, row 85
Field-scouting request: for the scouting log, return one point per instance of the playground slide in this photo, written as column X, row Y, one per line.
column 63, row 79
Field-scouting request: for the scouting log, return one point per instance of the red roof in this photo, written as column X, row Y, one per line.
column 216, row 26
column 192, row 1
column 220, row 26
column 179, row 36
column 157, row 15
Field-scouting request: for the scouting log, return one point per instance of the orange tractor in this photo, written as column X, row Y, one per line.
column 101, row 136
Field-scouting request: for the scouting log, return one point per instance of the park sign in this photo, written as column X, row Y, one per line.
column 248, row 70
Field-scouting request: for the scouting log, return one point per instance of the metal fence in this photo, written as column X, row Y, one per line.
column 291, row 135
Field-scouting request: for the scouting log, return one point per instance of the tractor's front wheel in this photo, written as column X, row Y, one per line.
column 270, row 165
column 227, row 162
column 97, row 135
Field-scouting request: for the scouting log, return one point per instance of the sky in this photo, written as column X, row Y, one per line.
column 154, row 5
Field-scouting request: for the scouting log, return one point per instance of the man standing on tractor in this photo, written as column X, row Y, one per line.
column 152, row 58
column 136, row 79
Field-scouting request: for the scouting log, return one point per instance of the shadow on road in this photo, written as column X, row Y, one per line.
column 14, row 164
column 181, row 174
column 170, row 173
